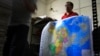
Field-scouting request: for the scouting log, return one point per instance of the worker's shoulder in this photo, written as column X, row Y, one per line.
column 75, row 13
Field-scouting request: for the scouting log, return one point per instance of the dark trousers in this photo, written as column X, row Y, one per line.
column 16, row 42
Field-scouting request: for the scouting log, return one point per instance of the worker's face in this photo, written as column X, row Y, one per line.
column 68, row 7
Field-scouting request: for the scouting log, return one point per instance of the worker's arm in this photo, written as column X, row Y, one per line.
column 31, row 7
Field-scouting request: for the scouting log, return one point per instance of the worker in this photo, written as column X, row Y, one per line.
column 17, row 32
column 69, row 10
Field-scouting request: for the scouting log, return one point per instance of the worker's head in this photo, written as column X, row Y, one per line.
column 69, row 6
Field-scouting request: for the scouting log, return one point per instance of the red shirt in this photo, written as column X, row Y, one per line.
column 69, row 15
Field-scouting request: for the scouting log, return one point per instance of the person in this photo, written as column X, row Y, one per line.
column 69, row 7
column 16, row 43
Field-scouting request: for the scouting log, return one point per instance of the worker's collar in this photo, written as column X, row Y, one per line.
column 67, row 13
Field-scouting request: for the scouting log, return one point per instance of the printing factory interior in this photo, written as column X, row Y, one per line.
column 33, row 39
